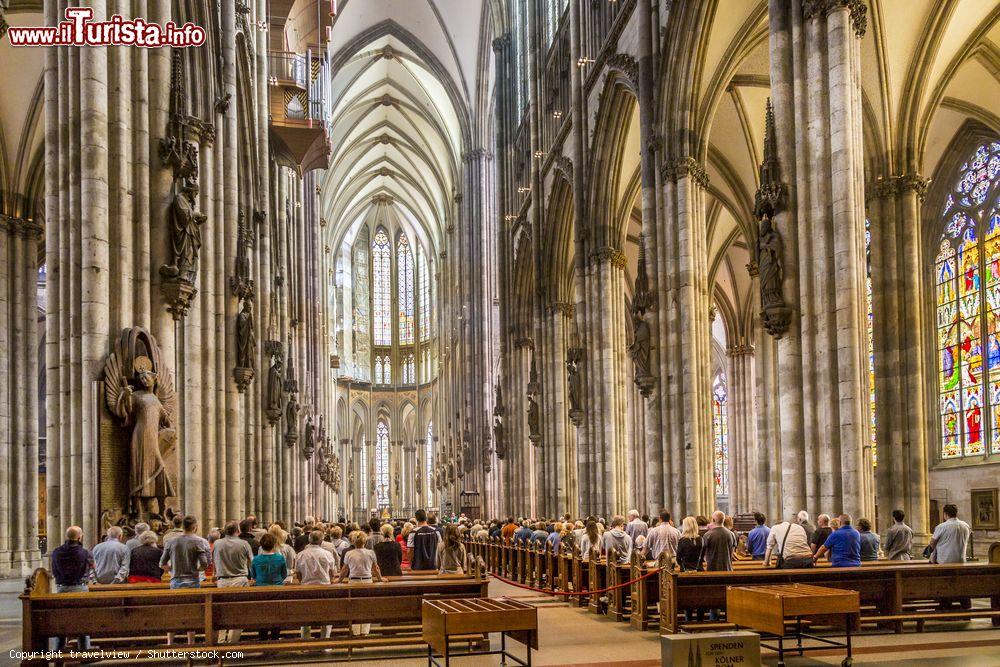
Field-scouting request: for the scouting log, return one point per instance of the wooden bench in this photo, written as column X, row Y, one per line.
column 885, row 591
column 143, row 615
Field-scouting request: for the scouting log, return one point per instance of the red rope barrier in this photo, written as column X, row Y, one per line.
column 602, row 590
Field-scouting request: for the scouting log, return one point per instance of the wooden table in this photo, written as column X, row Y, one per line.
column 445, row 618
column 768, row 609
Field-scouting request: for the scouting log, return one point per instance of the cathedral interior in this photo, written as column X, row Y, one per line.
column 501, row 258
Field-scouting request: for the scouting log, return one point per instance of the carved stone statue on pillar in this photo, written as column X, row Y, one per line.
column 769, row 200
column 335, row 473
column 498, row 430
column 574, row 382
column 274, row 400
column 292, row 421
column 181, row 155
column 139, row 390
column 534, row 413
column 641, row 346
column 309, row 439
column 246, row 346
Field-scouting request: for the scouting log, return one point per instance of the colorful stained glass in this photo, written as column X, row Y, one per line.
column 381, row 288
column 967, row 289
column 404, row 284
column 871, row 339
column 382, row 465
column 363, row 476
column 720, row 430
column 425, row 310
column 429, row 462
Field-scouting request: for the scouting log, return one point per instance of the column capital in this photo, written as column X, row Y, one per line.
column 857, row 9
column 685, row 166
column 609, row 254
column 894, row 186
column 740, row 350
column 567, row 308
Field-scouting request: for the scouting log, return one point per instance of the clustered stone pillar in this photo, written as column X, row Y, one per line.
column 108, row 198
column 19, row 237
column 900, row 349
column 742, row 428
column 819, row 377
column 684, row 305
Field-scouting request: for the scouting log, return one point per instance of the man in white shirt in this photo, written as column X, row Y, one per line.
column 662, row 538
column 790, row 542
column 316, row 566
column 950, row 539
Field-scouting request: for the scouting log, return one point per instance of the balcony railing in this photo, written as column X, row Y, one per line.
column 288, row 68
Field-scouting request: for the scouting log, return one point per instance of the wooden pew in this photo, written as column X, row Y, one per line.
column 598, row 578
column 144, row 615
column 888, row 591
column 618, row 598
column 581, row 577
column 645, row 594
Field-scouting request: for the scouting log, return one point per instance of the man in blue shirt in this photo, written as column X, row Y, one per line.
column 757, row 539
column 844, row 545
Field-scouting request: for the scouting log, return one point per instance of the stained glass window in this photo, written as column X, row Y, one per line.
column 382, row 465
column 429, row 463
column 967, row 281
column 363, row 477
column 409, row 377
column 720, row 431
column 381, row 288
column 425, row 311
column 361, row 307
column 871, row 337
column 404, row 268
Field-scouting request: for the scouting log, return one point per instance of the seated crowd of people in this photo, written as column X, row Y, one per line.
column 703, row 543
column 242, row 554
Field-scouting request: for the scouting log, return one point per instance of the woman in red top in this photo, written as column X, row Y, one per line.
column 401, row 538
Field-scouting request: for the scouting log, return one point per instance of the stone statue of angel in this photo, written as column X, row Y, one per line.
column 142, row 396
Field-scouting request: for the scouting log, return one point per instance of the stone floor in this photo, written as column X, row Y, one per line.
column 573, row 637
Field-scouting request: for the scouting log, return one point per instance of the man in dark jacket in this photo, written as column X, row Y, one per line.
column 246, row 534
column 71, row 566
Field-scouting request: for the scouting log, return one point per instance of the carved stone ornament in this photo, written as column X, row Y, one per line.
column 139, row 391
column 627, row 66
column 181, row 156
column 242, row 283
column 775, row 314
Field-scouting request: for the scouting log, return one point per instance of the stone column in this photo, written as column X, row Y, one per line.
column 742, row 428
column 901, row 351
column 685, row 305
column 821, row 360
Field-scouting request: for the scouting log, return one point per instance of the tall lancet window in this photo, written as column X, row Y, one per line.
column 720, row 432
column 871, row 337
column 382, row 288
column 404, row 265
column 362, row 491
column 429, row 463
column 409, row 377
column 425, row 296
column 382, row 465
column 967, row 271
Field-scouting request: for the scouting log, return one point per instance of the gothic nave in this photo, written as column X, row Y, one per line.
column 501, row 257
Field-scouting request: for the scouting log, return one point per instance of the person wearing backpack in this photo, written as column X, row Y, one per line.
column 422, row 543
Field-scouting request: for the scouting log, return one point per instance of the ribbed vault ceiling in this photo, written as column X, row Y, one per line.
column 400, row 91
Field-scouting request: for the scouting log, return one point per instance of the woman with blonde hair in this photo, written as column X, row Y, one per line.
column 283, row 547
column 690, row 547
column 401, row 538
